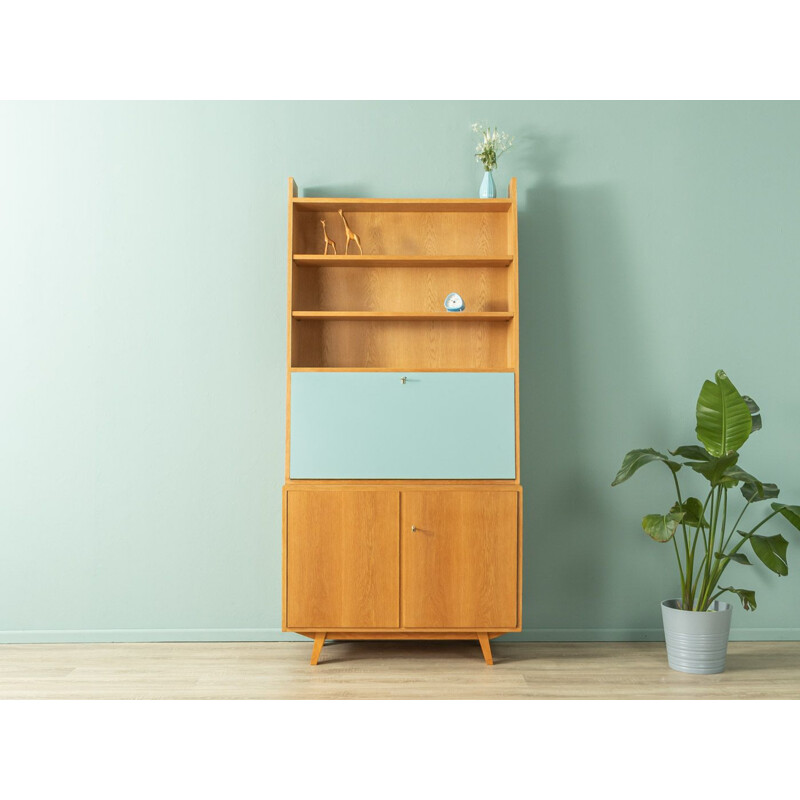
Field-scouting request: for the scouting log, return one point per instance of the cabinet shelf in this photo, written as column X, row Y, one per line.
column 402, row 261
column 421, row 316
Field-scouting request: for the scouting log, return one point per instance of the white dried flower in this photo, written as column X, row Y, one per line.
column 494, row 143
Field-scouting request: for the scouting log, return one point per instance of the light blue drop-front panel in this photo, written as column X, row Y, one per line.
column 372, row 425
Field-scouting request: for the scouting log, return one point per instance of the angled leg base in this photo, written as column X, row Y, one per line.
column 486, row 649
column 319, row 640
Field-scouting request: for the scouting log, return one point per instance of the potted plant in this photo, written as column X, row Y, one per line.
column 708, row 535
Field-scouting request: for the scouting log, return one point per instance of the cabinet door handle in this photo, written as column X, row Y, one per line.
column 403, row 380
column 413, row 528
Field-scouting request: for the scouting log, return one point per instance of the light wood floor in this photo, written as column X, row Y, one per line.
column 389, row 670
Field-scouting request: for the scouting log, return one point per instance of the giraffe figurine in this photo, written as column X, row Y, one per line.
column 350, row 235
column 328, row 240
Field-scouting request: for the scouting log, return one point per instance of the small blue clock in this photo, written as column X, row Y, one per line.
column 453, row 302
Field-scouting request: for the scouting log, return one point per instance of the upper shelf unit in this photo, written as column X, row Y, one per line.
column 393, row 228
column 383, row 307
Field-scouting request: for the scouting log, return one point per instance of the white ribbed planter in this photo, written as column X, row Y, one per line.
column 697, row 641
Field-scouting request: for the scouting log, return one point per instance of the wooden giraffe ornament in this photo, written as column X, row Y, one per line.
column 328, row 240
column 350, row 235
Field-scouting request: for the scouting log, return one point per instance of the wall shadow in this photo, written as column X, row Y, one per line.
column 336, row 190
column 578, row 351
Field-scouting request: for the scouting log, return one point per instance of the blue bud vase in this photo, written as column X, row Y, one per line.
column 488, row 189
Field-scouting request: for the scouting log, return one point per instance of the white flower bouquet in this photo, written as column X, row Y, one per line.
column 492, row 145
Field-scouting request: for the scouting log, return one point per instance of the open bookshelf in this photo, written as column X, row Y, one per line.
column 384, row 309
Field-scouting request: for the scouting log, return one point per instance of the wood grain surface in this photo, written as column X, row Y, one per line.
column 390, row 671
column 342, row 559
column 401, row 288
column 459, row 567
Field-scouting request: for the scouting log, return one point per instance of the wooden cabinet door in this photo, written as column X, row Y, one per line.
column 459, row 562
column 342, row 559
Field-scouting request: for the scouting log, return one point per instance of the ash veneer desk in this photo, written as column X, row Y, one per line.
column 402, row 507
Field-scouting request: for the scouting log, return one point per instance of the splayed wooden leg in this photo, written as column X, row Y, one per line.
column 319, row 640
column 483, row 638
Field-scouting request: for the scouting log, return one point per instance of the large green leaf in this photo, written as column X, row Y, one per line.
column 737, row 474
column 661, row 527
column 772, row 552
column 768, row 492
column 739, row 558
column 723, row 418
column 693, row 452
column 755, row 412
column 715, row 470
column 747, row 596
column 637, row 459
column 692, row 510
column 792, row 513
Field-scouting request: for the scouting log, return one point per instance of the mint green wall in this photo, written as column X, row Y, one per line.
column 142, row 343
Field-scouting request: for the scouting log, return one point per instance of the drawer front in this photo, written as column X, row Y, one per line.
column 373, row 425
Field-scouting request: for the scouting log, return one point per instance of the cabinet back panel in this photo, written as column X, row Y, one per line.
column 370, row 425
column 357, row 288
column 443, row 344
column 408, row 233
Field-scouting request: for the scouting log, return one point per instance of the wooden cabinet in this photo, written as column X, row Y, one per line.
column 402, row 502
column 456, row 549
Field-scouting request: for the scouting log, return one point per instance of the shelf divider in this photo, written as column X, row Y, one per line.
column 427, row 316
column 402, row 261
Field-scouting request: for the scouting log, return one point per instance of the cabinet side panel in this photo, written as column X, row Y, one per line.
column 342, row 559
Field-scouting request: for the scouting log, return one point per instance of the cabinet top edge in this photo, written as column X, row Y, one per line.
column 400, row 204
column 312, row 484
column 403, row 203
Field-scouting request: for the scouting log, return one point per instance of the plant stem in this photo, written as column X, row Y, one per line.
column 701, row 529
column 699, row 573
column 717, row 568
column 710, row 499
column 715, row 596
column 684, row 597
column 719, row 572
column 707, row 546
column 766, row 519
column 736, row 525
column 706, row 587
column 723, row 563
column 680, row 569
column 739, row 519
